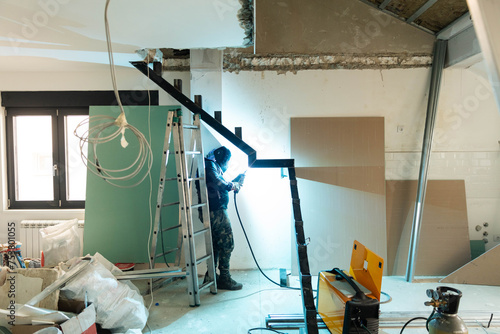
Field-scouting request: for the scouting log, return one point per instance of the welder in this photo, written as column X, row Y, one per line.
column 216, row 163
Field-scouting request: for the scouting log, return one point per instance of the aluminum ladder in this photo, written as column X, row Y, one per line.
column 194, row 216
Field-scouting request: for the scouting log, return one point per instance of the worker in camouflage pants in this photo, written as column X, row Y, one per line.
column 218, row 190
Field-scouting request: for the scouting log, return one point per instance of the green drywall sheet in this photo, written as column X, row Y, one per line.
column 117, row 220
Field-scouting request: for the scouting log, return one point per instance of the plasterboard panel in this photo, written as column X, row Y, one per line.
column 336, row 157
column 481, row 271
column 444, row 237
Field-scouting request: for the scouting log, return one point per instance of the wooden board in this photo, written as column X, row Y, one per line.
column 483, row 270
column 444, row 238
column 340, row 167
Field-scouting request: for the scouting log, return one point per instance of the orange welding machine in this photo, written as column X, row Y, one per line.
column 350, row 303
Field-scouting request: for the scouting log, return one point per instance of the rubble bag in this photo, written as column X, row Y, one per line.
column 119, row 307
column 60, row 242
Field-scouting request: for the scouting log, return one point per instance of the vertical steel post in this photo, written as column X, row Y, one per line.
column 437, row 70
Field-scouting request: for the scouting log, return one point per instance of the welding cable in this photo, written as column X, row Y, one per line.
column 251, row 250
column 416, row 318
column 263, row 329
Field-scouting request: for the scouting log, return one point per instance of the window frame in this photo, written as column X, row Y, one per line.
column 62, row 103
column 58, row 158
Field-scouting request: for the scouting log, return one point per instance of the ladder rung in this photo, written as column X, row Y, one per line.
column 170, row 204
column 196, row 206
column 201, row 231
column 188, row 126
column 171, row 228
column 192, row 152
column 203, row 258
column 171, row 179
column 196, row 179
column 167, row 252
column 205, row 285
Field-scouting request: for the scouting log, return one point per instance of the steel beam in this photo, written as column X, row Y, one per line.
column 194, row 108
column 402, row 19
column 455, row 27
column 437, row 70
column 421, row 10
column 462, row 47
column 384, row 4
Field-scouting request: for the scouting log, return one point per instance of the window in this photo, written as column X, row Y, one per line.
column 45, row 169
column 44, row 165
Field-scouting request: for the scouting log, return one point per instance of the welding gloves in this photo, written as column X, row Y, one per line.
column 236, row 186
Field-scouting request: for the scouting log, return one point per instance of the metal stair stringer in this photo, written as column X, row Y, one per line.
column 310, row 313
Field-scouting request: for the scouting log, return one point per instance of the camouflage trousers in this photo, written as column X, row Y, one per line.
column 222, row 239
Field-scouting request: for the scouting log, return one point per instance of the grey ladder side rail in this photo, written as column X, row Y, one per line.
column 185, row 242
column 157, row 233
column 196, row 165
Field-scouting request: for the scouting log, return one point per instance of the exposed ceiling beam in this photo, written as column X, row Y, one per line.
column 397, row 17
column 384, row 4
column 421, row 10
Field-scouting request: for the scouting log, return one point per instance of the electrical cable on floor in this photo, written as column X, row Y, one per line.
column 251, row 250
column 263, row 329
column 100, row 129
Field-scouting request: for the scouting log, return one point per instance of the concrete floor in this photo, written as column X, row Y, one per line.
column 235, row 312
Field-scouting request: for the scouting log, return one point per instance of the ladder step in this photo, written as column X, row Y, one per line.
column 188, row 126
column 171, row 228
column 196, row 206
column 170, row 204
column 196, row 179
column 206, row 285
column 201, row 231
column 192, row 152
column 167, row 252
column 171, row 179
column 203, row 258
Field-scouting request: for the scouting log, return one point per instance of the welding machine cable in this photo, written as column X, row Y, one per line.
column 251, row 250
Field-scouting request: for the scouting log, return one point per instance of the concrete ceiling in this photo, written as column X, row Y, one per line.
column 62, row 35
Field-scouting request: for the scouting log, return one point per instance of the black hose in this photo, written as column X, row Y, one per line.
column 251, row 250
column 416, row 318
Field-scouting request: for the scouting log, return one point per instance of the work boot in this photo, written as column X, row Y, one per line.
column 207, row 279
column 225, row 282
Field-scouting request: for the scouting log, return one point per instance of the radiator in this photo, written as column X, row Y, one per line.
column 29, row 235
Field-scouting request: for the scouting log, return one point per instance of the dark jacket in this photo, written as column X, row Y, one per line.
column 217, row 188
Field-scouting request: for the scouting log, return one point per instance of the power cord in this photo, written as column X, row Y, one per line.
column 251, row 250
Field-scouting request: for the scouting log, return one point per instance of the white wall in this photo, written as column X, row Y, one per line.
column 127, row 78
column 263, row 102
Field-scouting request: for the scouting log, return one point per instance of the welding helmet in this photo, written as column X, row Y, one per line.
column 222, row 156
